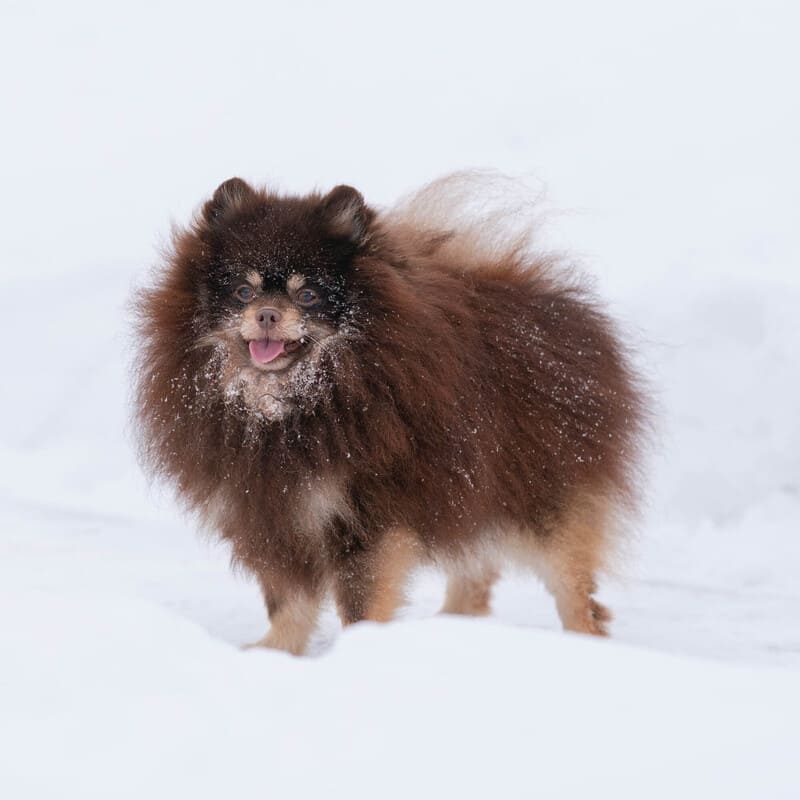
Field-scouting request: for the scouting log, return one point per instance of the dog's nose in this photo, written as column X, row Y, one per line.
column 268, row 318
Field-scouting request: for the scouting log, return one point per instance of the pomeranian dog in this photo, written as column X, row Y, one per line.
column 344, row 394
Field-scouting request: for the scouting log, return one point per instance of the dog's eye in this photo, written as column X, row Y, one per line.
column 307, row 298
column 245, row 293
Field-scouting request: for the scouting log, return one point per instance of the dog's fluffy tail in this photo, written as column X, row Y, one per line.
column 472, row 217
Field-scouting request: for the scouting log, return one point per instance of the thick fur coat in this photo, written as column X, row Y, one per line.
column 343, row 394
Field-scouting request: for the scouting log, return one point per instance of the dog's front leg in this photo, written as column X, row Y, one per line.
column 370, row 581
column 293, row 614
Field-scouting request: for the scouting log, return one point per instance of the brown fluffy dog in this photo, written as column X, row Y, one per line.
column 343, row 394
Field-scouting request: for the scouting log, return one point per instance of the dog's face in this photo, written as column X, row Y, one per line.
column 278, row 288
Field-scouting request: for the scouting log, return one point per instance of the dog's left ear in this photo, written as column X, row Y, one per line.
column 346, row 215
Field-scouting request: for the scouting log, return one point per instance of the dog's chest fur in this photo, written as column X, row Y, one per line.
column 292, row 515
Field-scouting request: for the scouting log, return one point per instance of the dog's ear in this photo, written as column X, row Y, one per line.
column 346, row 215
column 230, row 195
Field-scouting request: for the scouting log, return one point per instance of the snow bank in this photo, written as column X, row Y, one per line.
column 135, row 702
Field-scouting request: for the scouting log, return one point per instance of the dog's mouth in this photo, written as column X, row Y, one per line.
column 274, row 351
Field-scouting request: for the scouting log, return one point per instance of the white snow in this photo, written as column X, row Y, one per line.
column 669, row 136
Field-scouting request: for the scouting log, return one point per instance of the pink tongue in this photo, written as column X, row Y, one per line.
column 265, row 350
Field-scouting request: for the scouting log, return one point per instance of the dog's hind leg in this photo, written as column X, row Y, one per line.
column 568, row 560
column 579, row 611
column 469, row 588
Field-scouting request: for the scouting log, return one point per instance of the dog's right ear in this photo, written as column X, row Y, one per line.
column 230, row 196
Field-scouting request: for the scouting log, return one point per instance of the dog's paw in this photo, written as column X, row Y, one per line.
column 275, row 642
column 262, row 642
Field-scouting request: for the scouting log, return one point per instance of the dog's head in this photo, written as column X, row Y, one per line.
column 276, row 287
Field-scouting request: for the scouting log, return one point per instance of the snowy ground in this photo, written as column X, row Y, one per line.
column 670, row 135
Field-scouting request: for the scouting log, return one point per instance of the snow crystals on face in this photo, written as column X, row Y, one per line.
column 271, row 396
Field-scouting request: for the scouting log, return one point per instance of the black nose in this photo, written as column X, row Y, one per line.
column 268, row 318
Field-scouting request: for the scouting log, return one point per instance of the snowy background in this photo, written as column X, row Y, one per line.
column 665, row 137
